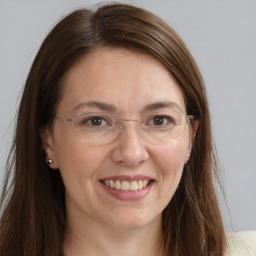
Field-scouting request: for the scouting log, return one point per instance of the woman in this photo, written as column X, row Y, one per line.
column 113, row 151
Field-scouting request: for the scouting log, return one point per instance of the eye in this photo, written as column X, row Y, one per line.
column 160, row 120
column 95, row 121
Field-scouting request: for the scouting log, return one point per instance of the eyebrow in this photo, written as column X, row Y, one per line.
column 96, row 104
column 111, row 108
column 160, row 105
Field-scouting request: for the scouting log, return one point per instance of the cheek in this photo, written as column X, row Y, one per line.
column 171, row 157
column 170, row 161
column 75, row 159
column 79, row 167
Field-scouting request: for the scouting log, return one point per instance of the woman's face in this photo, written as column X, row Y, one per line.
column 132, row 85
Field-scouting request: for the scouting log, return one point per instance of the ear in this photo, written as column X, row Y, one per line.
column 193, row 127
column 49, row 148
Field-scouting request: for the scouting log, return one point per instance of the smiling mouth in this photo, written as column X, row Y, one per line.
column 125, row 185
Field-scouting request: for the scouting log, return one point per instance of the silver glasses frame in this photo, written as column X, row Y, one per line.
column 119, row 125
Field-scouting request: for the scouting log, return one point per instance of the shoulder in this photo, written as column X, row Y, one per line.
column 241, row 243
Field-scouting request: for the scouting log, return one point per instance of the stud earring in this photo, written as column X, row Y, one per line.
column 49, row 161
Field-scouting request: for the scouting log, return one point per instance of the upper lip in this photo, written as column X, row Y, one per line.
column 128, row 177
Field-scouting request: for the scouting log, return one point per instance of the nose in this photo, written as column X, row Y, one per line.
column 129, row 149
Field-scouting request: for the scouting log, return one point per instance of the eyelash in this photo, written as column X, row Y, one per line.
column 163, row 118
column 88, row 121
column 166, row 120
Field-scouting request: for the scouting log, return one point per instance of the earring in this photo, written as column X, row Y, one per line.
column 49, row 161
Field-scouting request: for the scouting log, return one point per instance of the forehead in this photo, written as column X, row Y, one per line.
column 127, row 79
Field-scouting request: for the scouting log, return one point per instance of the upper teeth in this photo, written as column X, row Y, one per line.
column 126, row 185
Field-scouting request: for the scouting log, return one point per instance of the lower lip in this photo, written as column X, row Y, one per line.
column 129, row 195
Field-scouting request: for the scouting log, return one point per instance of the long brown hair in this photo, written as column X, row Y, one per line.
column 33, row 199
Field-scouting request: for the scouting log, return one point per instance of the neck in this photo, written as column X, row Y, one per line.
column 88, row 238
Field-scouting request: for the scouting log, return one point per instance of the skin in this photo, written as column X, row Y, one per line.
column 98, row 223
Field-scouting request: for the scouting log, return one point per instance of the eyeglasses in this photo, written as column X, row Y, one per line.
column 100, row 128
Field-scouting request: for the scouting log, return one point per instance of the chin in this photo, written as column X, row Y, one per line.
column 129, row 220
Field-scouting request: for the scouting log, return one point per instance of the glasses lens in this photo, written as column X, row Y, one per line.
column 100, row 128
column 94, row 128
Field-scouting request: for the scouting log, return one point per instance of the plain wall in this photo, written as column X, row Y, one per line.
column 221, row 36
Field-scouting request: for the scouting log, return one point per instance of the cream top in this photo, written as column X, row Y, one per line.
column 241, row 243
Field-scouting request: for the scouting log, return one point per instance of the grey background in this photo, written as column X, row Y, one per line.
column 221, row 35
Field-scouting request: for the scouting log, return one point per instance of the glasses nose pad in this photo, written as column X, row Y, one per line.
column 125, row 123
column 121, row 124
